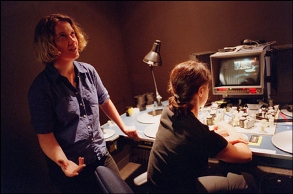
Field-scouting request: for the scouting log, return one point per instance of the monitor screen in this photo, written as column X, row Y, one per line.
column 239, row 74
column 241, row 71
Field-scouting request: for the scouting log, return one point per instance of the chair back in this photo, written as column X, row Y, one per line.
column 110, row 182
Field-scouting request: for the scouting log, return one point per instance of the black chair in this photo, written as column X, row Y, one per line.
column 110, row 182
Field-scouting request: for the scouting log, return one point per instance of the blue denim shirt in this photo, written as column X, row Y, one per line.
column 72, row 114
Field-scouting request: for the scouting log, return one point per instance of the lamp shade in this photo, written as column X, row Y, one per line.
column 153, row 58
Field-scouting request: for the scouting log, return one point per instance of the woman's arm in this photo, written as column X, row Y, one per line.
column 224, row 129
column 237, row 150
column 229, row 133
column 52, row 149
column 110, row 110
column 236, row 153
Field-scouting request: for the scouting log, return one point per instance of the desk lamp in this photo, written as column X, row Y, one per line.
column 153, row 58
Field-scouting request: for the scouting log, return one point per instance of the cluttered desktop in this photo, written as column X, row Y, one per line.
column 268, row 129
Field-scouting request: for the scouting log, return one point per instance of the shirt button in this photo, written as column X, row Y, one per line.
column 92, row 139
column 88, row 127
column 76, row 92
column 84, row 116
column 80, row 104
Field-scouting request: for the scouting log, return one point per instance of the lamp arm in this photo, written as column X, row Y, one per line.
column 158, row 96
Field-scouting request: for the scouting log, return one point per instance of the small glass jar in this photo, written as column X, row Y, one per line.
column 241, row 122
column 209, row 120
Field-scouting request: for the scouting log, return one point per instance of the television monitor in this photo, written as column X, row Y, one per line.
column 240, row 73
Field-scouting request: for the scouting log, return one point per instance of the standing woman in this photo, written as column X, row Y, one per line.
column 64, row 101
column 178, row 161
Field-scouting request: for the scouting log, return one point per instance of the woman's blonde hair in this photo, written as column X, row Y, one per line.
column 44, row 42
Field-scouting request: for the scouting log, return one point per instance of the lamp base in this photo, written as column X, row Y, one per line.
column 159, row 100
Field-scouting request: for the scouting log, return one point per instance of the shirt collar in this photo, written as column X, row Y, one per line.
column 55, row 76
column 80, row 68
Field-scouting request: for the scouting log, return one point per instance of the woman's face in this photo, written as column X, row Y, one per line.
column 66, row 41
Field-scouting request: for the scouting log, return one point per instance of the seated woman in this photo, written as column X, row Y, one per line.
column 178, row 161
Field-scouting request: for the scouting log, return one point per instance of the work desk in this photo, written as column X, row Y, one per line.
column 266, row 153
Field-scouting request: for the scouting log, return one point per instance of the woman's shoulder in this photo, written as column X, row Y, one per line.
column 47, row 75
column 83, row 66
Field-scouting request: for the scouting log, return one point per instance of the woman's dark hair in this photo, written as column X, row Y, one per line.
column 44, row 37
column 185, row 80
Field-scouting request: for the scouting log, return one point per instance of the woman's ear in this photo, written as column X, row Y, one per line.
column 200, row 91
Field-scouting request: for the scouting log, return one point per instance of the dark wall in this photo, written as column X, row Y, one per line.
column 121, row 33
column 190, row 27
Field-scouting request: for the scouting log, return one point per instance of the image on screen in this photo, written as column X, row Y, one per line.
column 243, row 71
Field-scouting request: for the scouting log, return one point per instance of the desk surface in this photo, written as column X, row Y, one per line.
column 265, row 148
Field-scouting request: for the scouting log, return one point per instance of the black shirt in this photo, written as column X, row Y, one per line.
column 180, row 152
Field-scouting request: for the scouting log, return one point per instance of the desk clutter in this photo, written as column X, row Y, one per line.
column 254, row 119
column 153, row 116
column 258, row 119
column 262, row 132
column 144, row 101
column 251, row 118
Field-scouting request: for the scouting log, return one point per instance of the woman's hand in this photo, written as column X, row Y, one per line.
column 71, row 169
column 224, row 128
column 236, row 138
column 130, row 131
column 229, row 133
column 221, row 129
